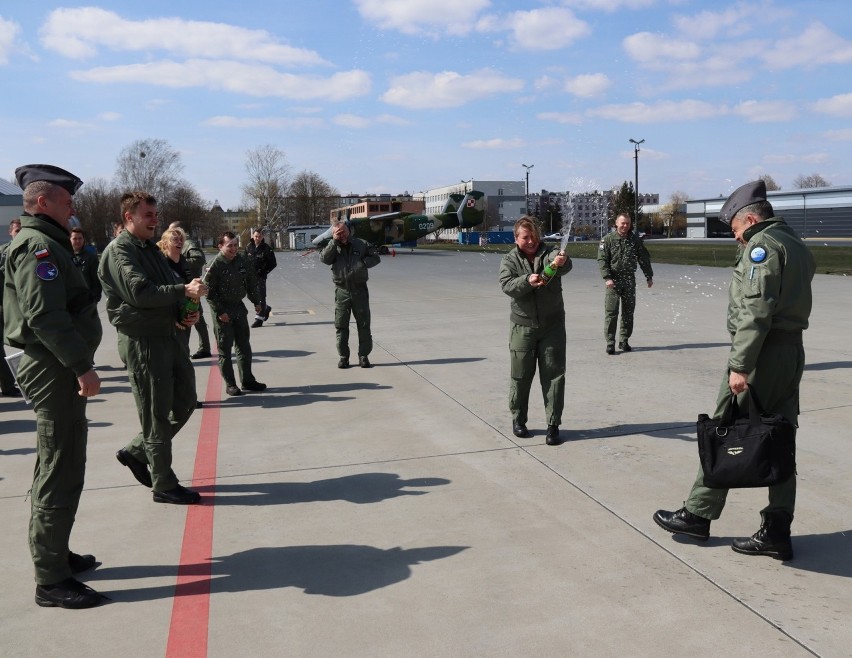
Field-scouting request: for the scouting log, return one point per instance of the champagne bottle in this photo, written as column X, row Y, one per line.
column 189, row 305
column 548, row 272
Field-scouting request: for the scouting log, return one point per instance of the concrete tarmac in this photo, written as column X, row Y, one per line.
column 391, row 512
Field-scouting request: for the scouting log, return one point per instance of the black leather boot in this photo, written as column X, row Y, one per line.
column 773, row 538
column 683, row 522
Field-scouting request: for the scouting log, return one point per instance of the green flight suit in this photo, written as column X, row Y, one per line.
column 88, row 264
column 229, row 282
column 7, row 379
column 143, row 302
column 349, row 264
column 769, row 304
column 49, row 314
column 195, row 260
column 536, row 332
column 618, row 258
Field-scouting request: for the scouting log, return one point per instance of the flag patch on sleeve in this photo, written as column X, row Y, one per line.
column 42, row 253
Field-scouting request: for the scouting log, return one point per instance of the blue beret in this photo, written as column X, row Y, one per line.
column 742, row 196
column 41, row 172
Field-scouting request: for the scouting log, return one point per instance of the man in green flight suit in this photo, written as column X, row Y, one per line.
column 531, row 275
column 143, row 304
column 231, row 278
column 49, row 314
column 769, row 304
column 350, row 258
column 87, row 261
column 618, row 255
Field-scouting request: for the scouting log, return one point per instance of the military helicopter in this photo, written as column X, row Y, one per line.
column 460, row 211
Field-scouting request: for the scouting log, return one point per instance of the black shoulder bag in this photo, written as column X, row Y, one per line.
column 756, row 451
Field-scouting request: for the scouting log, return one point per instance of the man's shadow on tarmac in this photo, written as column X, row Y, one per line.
column 433, row 362
column 683, row 431
column 281, row 354
column 301, row 395
column 336, row 570
column 361, row 489
column 831, row 365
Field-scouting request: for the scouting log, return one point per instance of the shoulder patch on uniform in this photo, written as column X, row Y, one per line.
column 46, row 271
column 757, row 255
column 42, row 253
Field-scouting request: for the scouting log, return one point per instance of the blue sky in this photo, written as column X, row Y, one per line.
column 395, row 95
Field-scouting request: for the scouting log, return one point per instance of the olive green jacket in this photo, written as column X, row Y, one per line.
column 533, row 307
column 195, row 258
column 618, row 257
column 142, row 296
column 229, row 282
column 350, row 262
column 770, row 290
column 45, row 299
column 87, row 263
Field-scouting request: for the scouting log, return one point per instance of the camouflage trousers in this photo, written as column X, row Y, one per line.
column 545, row 347
column 623, row 294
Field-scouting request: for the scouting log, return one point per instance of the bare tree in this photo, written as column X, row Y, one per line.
column 268, row 181
column 151, row 165
column 771, row 185
column 814, row 180
column 97, row 206
column 311, row 198
column 186, row 206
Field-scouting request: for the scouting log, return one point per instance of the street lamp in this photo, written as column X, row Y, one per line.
column 636, row 186
column 527, row 195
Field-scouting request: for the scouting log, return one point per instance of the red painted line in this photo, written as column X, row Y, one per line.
column 191, row 607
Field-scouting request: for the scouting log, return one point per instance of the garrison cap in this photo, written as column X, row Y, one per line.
column 42, row 172
column 742, row 196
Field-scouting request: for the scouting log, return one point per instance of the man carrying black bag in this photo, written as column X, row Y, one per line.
column 769, row 303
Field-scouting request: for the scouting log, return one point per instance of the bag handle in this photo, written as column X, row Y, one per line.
column 732, row 410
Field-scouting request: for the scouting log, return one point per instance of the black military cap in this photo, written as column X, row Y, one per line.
column 42, row 172
column 743, row 196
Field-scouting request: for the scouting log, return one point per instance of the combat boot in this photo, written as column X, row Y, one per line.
column 773, row 538
column 683, row 522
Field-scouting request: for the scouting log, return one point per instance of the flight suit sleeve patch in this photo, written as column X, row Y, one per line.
column 47, row 271
column 757, row 255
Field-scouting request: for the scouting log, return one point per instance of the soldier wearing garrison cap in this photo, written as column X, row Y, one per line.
column 50, row 315
column 769, row 304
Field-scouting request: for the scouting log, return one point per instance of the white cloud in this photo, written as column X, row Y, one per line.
column 78, row 33
column 356, row 121
column 843, row 135
column 69, row 124
column 608, row 5
column 561, row 117
column 766, row 111
column 659, row 112
column 235, row 77
column 654, row 48
column 588, row 85
column 109, row 116
column 423, row 16
column 838, row 106
column 422, row 90
column 263, row 122
column 8, row 33
column 496, row 143
column 550, row 28
column 729, row 23
column 817, row 45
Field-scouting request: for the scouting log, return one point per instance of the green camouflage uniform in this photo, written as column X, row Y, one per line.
column 769, row 303
column 195, row 260
column 48, row 313
column 229, row 282
column 617, row 259
column 143, row 302
column 536, row 332
column 349, row 264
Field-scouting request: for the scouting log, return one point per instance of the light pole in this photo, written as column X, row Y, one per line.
column 527, row 195
column 636, row 186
